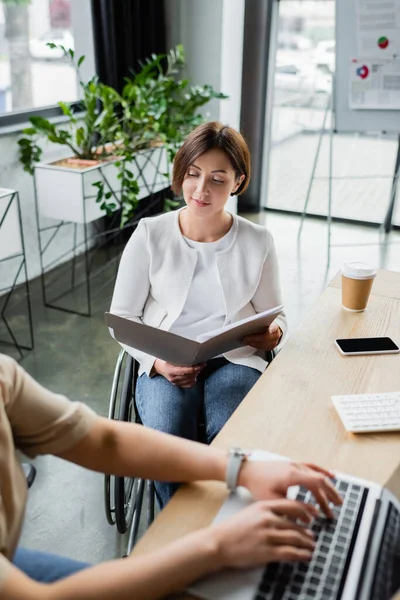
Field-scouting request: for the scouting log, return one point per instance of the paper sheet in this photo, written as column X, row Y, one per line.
column 378, row 28
column 374, row 84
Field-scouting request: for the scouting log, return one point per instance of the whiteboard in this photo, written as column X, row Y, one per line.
column 347, row 120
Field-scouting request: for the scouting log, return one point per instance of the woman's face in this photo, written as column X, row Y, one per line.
column 209, row 181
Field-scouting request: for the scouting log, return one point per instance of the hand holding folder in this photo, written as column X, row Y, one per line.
column 179, row 350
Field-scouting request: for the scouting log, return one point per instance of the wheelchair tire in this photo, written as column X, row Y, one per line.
column 108, row 479
column 124, row 487
column 113, row 414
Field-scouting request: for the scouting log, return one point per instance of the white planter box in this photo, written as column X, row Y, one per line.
column 10, row 232
column 68, row 194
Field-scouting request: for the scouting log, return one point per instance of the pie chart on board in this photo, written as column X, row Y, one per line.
column 363, row 72
column 383, row 42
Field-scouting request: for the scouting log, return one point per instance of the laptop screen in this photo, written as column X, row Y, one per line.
column 387, row 574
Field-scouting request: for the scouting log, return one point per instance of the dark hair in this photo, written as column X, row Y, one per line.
column 207, row 137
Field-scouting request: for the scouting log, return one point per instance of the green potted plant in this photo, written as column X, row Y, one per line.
column 121, row 145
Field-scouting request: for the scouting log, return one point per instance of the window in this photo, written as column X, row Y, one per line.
column 299, row 122
column 304, row 62
column 33, row 76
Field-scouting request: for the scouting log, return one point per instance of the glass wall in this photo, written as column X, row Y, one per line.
column 363, row 165
column 32, row 75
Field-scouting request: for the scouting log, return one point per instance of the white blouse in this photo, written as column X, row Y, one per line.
column 155, row 275
column 204, row 309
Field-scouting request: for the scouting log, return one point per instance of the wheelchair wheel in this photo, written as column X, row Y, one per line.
column 125, row 488
column 119, row 491
column 108, row 479
column 124, row 495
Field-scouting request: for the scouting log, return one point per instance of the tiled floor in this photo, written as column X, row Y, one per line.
column 75, row 356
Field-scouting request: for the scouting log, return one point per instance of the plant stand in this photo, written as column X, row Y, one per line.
column 65, row 200
column 16, row 290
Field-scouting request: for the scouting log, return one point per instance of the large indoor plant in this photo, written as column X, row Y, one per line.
column 153, row 113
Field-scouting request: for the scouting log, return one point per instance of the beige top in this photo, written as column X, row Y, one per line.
column 34, row 421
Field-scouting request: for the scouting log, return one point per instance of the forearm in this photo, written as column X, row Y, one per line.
column 154, row 455
column 126, row 449
column 148, row 577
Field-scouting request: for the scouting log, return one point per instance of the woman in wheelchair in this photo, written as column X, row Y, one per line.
column 191, row 271
column 36, row 421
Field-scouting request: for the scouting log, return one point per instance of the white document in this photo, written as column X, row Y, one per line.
column 378, row 28
column 374, row 84
column 179, row 350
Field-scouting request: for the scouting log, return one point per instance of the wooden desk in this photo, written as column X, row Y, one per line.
column 289, row 410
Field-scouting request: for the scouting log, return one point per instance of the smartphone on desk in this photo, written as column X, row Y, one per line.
column 372, row 345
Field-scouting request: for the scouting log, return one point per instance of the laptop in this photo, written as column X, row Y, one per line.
column 357, row 554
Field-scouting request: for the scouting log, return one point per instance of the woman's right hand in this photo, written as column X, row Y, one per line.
column 184, row 377
column 265, row 532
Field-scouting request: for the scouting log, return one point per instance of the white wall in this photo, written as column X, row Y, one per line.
column 201, row 37
column 231, row 61
column 231, row 68
column 212, row 34
column 82, row 26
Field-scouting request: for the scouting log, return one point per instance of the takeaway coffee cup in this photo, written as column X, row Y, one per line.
column 357, row 280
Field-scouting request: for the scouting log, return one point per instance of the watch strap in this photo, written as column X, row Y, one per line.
column 235, row 460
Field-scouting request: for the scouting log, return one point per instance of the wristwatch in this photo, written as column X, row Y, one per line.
column 235, row 460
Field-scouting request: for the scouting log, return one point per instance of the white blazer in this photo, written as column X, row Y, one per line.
column 156, row 271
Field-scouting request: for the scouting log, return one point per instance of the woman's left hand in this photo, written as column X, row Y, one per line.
column 265, row 341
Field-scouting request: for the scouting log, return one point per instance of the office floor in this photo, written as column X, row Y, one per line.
column 75, row 356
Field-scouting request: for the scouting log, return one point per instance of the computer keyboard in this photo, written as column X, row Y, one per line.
column 322, row 577
column 363, row 413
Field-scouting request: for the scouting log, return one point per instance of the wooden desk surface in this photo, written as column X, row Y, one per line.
column 289, row 410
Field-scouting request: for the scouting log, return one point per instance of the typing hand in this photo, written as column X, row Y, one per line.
column 268, row 340
column 271, row 479
column 264, row 532
column 184, row 377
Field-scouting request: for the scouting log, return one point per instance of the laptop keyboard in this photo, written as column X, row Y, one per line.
column 322, row 577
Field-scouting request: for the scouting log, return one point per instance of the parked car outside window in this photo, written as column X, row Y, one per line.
column 39, row 50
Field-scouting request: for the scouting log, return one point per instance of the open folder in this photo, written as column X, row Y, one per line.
column 179, row 350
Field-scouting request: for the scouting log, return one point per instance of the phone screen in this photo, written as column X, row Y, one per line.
column 378, row 344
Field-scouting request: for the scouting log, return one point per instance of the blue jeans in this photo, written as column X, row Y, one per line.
column 44, row 567
column 171, row 409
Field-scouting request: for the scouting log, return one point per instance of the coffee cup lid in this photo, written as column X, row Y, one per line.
column 358, row 270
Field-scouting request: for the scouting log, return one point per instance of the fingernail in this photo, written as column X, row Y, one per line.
column 307, row 519
column 309, row 533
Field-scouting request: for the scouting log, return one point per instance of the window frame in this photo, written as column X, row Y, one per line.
column 21, row 118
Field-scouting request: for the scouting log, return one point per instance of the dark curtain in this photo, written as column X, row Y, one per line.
column 126, row 31
column 256, row 48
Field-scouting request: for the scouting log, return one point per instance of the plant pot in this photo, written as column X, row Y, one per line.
column 115, row 235
column 65, row 191
column 10, row 230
